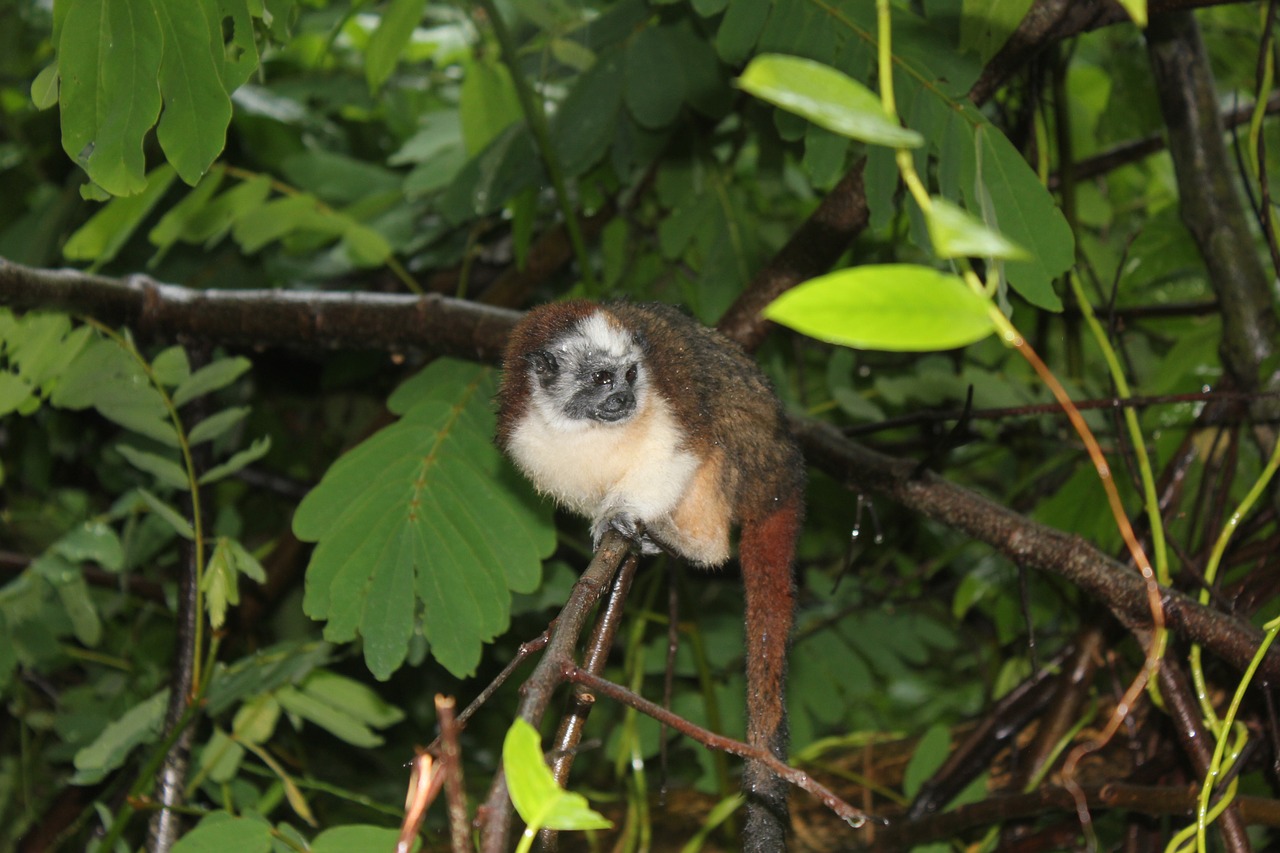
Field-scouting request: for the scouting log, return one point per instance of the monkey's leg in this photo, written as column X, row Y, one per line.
column 766, row 551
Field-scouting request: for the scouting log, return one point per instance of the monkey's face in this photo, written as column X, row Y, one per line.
column 593, row 374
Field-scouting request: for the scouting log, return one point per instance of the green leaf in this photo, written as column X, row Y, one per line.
column 211, row 377
column 92, row 542
column 165, row 470
column 171, row 366
column 930, row 752
column 73, row 594
column 212, row 221
column 1027, row 215
column 44, row 89
column 586, row 122
column 245, row 563
column 104, row 235
column 108, row 62
column 284, row 216
column 217, row 425
column 488, row 104
column 197, row 110
column 336, row 721
column 389, row 40
column 655, row 88
column 249, row 455
column 221, row 757
column 220, row 832
column 826, row 97
column 139, row 725
column 352, row 698
column 897, row 307
column 112, row 381
column 424, row 511
column 170, row 515
column 740, row 28
column 13, row 392
column 355, row 839
column 177, row 223
column 957, row 234
column 541, row 803
column 219, row 584
column 264, row 671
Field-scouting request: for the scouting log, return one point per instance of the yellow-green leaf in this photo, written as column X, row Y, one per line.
column 898, row 307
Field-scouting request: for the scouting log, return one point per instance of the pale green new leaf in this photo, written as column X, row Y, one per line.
column 171, row 366
column 826, row 97
column 44, row 89
column 957, row 234
column 389, row 40
column 139, row 725
column 541, row 803
column 108, row 63
column 897, row 307
column 424, row 514
column 14, row 392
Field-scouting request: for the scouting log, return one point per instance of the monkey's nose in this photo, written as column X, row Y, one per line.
column 618, row 404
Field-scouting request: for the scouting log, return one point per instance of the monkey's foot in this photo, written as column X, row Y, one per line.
column 629, row 526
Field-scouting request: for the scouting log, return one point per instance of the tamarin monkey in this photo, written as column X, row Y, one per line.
column 649, row 423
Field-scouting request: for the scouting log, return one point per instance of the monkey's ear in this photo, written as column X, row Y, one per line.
column 543, row 362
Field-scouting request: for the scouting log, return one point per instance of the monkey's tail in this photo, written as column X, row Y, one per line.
column 766, row 550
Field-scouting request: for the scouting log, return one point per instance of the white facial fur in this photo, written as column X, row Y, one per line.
column 635, row 465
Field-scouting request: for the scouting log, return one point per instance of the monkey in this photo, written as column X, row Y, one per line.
column 647, row 422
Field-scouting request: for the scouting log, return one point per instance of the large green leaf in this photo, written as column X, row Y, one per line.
column 654, row 77
column 109, row 54
column 104, row 235
column 418, row 517
column 393, row 33
column 197, row 109
column 220, row 832
column 587, row 120
column 899, row 307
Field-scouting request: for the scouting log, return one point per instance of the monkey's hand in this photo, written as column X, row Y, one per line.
column 629, row 525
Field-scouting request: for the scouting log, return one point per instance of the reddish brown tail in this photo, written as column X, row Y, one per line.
column 766, row 552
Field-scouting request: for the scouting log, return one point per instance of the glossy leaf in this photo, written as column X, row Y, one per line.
column 417, row 516
column 540, row 802
column 897, row 307
column 826, row 97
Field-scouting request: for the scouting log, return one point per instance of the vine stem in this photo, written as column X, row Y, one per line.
column 537, row 119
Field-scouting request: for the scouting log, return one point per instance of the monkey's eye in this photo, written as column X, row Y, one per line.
column 631, row 375
column 602, row 377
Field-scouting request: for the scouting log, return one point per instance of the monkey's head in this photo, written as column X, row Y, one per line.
column 576, row 366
